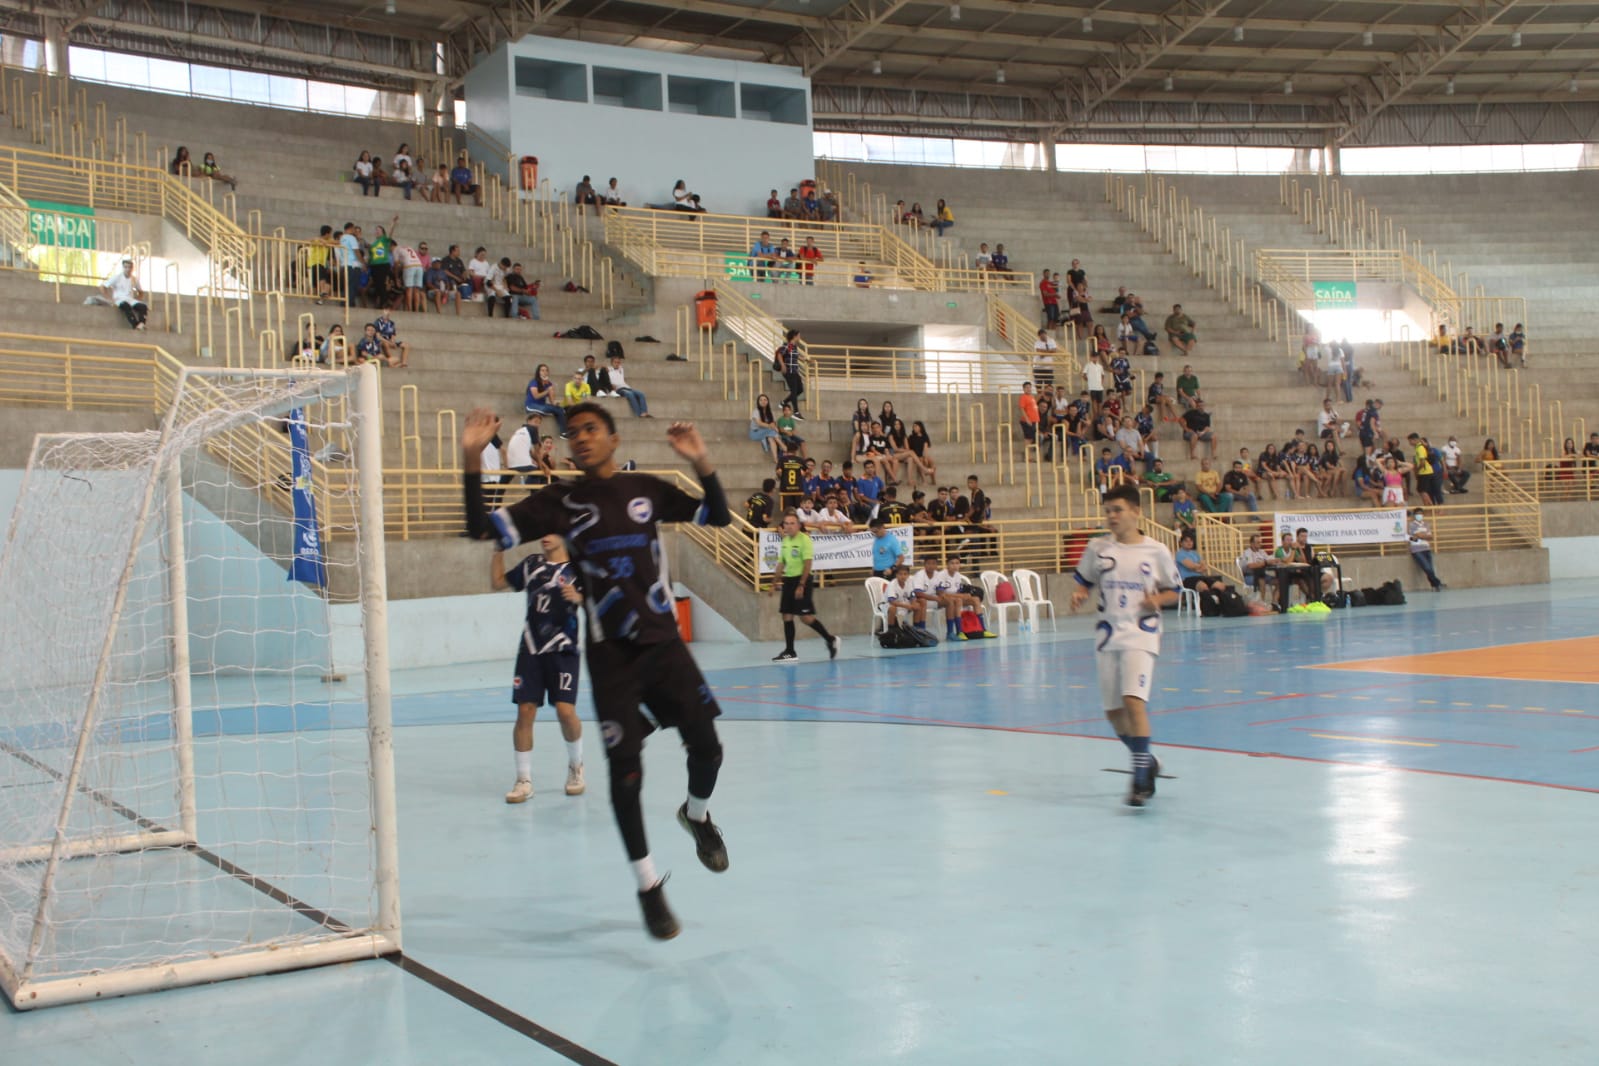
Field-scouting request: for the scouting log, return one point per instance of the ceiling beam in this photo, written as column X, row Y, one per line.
column 1364, row 102
column 835, row 36
column 1098, row 83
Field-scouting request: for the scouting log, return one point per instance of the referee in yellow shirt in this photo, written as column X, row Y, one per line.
column 796, row 553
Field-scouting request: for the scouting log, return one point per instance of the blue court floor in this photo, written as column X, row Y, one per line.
column 931, row 864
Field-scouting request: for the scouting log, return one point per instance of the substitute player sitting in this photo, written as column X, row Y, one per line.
column 1136, row 577
column 902, row 602
column 547, row 661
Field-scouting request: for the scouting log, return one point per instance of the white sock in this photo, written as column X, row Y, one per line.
column 644, row 870
column 574, row 752
column 524, row 766
column 698, row 809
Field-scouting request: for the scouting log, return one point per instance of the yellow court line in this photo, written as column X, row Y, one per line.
column 1375, row 740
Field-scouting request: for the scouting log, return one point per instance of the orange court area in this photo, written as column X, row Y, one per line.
column 1574, row 660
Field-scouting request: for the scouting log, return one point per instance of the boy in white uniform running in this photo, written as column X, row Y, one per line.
column 1136, row 577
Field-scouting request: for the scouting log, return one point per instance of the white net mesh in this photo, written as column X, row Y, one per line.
column 150, row 849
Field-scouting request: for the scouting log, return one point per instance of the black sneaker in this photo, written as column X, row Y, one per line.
column 707, row 840
column 785, row 657
column 832, row 647
column 658, row 917
column 1135, row 798
column 1154, row 772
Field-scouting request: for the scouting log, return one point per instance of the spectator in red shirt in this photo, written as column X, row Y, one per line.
column 774, row 206
column 1049, row 293
column 809, row 256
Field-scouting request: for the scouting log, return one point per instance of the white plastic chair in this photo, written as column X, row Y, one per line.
column 1187, row 602
column 877, row 593
column 1030, row 591
column 991, row 580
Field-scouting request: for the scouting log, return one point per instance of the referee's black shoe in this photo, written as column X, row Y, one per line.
column 658, row 917
column 707, row 840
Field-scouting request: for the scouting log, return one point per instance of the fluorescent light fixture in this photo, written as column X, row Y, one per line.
column 1365, row 38
column 1167, row 84
column 1449, row 87
column 388, row 7
column 1571, row 86
column 1515, row 39
column 1238, row 33
column 954, row 12
column 1288, row 87
column 1088, row 24
column 877, row 66
column 999, row 75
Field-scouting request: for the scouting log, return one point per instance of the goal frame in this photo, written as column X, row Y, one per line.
column 344, row 943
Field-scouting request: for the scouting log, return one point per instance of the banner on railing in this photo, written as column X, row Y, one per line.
column 1333, row 528
column 835, row 551
column 307, row 565
column 1333, row 295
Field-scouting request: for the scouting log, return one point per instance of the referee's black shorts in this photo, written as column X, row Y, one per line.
column 791, row 602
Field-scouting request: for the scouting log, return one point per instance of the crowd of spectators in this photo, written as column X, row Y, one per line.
column 409, row 174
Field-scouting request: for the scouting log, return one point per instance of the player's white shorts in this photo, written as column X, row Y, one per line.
column 1130, row 672
column 1393, row 495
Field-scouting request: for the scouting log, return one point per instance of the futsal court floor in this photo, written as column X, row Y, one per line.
column 1377, row 845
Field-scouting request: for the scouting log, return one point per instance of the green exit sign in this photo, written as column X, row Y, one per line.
column 1333, row 295
column 950, row 304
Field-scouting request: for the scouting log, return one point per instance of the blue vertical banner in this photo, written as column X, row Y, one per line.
column 308, row 565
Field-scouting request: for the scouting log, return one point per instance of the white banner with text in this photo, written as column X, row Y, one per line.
column 1333, row 528
column 834, row 551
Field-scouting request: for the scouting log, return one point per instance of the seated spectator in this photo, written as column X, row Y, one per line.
column 1367, row 480
column 1197, row 429
column 1446, row 346
column 611, row 195
column 763, row 255
column 819, row 485
column 876, row 443
column 915, row 217
column 1182, row 509
column 370, row 347
column 1255, row 565
column 496, row 292
column 1135, row 322
column 524, row 293
column 1489, row 453
column 438, row 187
column 1149, row 439
column 863, row 276
column 784, row 262
column 983, row 260
column 1192, row 569
column 774, row 206
column 1180, row 330
column 541, row 398
column 393, row 348
column 209, row 168
column 1329, row 424
column 810, row 206
column 1187, row 387
column 758, row 508
column 404, row 178
column 122, row 290
column 1112, row 470
column 1332, row 469
column 897, row 456
column 598, row 380
column 919, row 449
column 1129, row 439
column 462, row 181
column 793, row 206
column 807, row 514
column 763, row 426
column 943, row 218
column 1457, row 475
column 1163, row 484
column 1274, row 471
column 577, row 390
column 614, row 379
column 477, row 272
column 1469, row 343
column 363, row 171
column 830, row 208
column 336, row 348
column 999, row 262
column 1251, row 473
column 1236, row 487
column 1211, row 495
column 449, row 279
column 183, row 167
column 1518, row 345
column 902, row 602
column 585, row 196
column 868, row 489
column 860, row 422
column 788, row 431
column 1159, row 401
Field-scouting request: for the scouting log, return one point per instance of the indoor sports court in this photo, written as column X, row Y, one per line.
column 931, row 863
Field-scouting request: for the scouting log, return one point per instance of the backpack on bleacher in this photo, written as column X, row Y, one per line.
column 613, row 350
column 1151, row 348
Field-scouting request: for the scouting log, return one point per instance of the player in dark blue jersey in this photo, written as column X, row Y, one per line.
column 609, row 519
column 547, row 660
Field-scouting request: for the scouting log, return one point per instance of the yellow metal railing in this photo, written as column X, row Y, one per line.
column 1555, row 479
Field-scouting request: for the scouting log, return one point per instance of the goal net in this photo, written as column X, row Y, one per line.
column 195, row 774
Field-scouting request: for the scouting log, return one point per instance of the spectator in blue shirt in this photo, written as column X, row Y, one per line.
column 1112, row 469
column 762, row 254
column 868, row 487
column 461, row 181
column 1182, row 509
column 350, row 262
column 886, row 550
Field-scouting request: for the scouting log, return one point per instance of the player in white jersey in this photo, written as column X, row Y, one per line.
column 1136, row 577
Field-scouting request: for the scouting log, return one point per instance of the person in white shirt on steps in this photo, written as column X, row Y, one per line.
column 122, row 289
column 617, row 385
column 519, row 449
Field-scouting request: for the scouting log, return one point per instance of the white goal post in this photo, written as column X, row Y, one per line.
column 191, row 788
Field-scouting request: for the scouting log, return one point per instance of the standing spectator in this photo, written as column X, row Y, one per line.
column 318, row 259
column 1044, row 350
column 810, row 258
column 1094, row 381
column 1428, row 477
column 1196, row 429
column 351, row 263
column 122, row 289
column 541, row 398
column 789, row 363
column 1049, row 296
column 1421, row 537
column 1027, row 404
column 1180, row 330
column 462, row 181
column 363, row 174
column 380, row 264
column 1454, row 471
column 785, row 256
column 412, row 274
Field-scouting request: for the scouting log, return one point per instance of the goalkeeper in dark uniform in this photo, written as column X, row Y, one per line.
column 636, row 657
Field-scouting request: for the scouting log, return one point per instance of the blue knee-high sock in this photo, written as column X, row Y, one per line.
column 1125, row 739
column 1143, row 762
